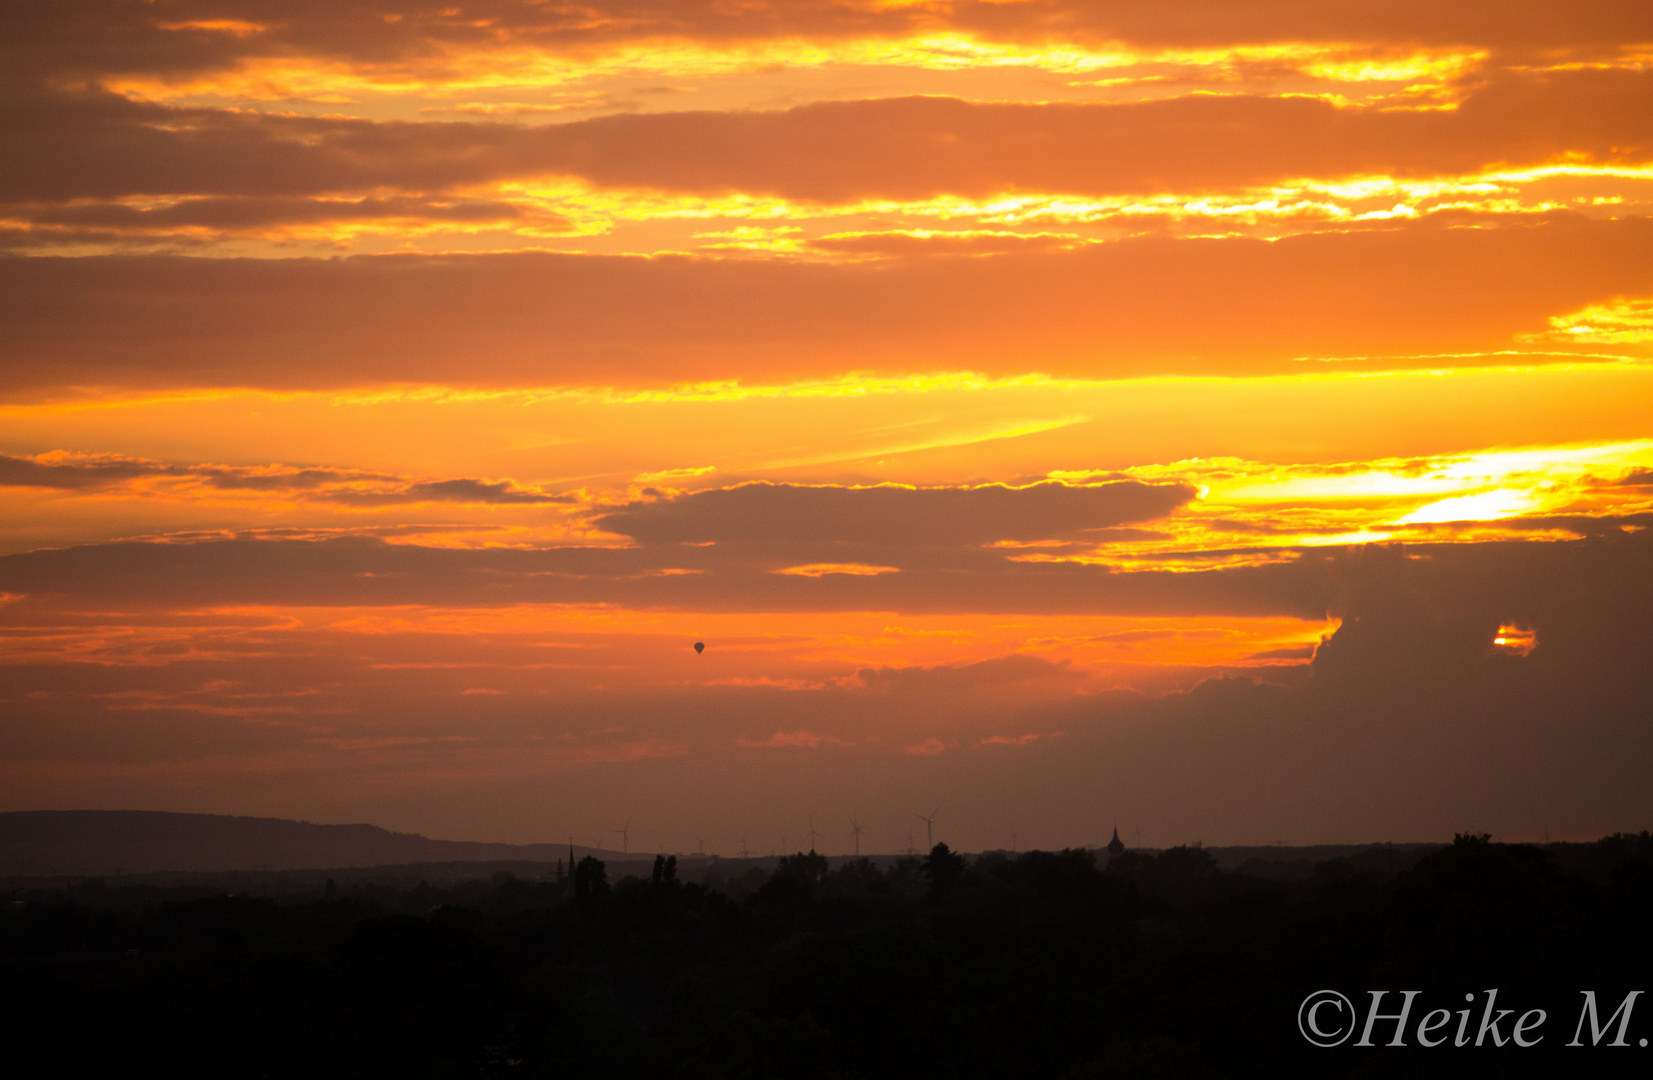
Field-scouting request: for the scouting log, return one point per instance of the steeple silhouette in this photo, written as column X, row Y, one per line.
column 1116, row 847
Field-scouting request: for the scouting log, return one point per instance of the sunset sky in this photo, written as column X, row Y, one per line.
column 1230, row 422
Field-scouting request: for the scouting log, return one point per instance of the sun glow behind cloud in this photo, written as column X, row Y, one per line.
column 496, row 477
column 1623, row 322
column 1487, row 506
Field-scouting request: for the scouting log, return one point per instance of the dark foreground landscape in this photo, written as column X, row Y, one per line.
column 1069, row 964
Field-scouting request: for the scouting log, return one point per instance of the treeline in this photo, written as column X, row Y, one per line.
column 1046, row 964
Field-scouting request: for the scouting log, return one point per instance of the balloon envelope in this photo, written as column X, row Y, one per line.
column 700, row 646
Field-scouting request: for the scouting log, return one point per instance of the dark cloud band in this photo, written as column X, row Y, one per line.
column 329, row 485
column 892, row 515
column 247, row 168
column 183, row 37
column 1148, row 306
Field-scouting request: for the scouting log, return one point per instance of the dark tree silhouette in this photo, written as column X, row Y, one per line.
column 998, row 967
column 943, row 867
column 590, row 883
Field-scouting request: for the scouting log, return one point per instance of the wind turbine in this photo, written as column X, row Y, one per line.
column 783, row 843
column 929, row 827
column 625, row 836
column 856, row 827
column 701, row 840
column 811, row 836
column 743, row 852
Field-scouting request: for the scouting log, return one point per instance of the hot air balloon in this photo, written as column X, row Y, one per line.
column 700, row 646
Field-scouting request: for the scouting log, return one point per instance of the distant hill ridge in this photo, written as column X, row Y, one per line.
column 80, row 843
column 44, row 842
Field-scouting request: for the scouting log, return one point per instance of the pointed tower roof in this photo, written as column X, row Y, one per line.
column 1116, row 846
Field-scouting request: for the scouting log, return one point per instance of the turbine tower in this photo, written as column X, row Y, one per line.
column 701, row 840
column 856, row 827
column 811, row 836
column 929, row 828
column 625, row 836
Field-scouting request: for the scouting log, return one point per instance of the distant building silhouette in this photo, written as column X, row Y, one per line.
column 1116, row 847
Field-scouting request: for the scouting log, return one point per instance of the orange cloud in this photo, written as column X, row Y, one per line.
column 806, row 739
column 822, row 569
column 1020, row 740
